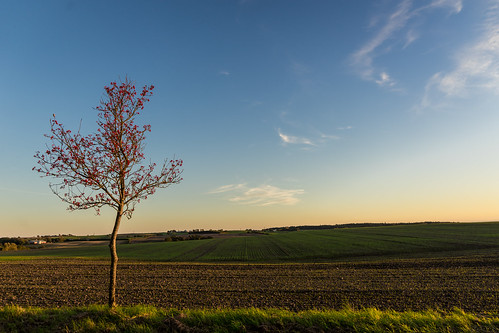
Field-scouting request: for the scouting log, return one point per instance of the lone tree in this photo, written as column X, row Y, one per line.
column 105, row 168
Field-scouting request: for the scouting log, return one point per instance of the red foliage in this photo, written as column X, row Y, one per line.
column 105, row 168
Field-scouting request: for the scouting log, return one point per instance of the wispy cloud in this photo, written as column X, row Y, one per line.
column 263, row 195
column 307, row 143
column 455, row 6
column 363, row 58
column 228, row 188
column 385, row 80
column 476, row 66
column 290, row 139
column 324, row 137
column 410, row 37
column 224, row 73
column 391, row 25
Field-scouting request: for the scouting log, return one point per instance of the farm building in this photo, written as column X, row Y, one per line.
column 37, row 241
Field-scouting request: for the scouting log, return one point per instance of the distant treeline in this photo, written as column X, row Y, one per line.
column 13, row 240
column 341, row 226
column 18, row 243
column 202, row 231
column 188, row 238
column 26, row 240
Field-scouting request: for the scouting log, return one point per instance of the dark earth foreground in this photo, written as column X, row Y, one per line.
column 471, row 284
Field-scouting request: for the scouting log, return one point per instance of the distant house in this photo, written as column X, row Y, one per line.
column 37, row 241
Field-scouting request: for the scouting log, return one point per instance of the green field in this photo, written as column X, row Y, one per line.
column 379, row 242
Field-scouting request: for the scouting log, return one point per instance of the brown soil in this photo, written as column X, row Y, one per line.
column 468, row 283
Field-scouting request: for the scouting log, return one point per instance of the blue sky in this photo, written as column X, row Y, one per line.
column 284, row 112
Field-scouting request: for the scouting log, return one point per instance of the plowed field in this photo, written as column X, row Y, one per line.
column 468, row 283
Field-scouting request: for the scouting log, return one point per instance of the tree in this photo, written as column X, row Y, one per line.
column 105, row 168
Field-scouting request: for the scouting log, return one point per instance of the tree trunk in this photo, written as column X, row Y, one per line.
column 114, row 259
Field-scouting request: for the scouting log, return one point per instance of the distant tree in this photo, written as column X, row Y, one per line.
column 10, row 247
column 106, row 168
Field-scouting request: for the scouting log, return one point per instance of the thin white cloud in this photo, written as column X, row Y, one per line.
column 228, row 188
column 410, row 37
column 225, row 73
column 385, row 80
column 263, row 195
column 318, row 139
column 345, row 128
column 325, row 137
column 393, row 23
column 290, row 139
column 454, row 5
column 476, row 66
column 363, row 58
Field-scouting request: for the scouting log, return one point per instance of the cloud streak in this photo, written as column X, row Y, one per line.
column 363, row 59
column 263, row 195
column 290, row 139
column 318, row 139
column 228, row 188
column 476, row 66
column 385, row 80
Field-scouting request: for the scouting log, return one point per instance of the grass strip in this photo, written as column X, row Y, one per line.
column 140, row 318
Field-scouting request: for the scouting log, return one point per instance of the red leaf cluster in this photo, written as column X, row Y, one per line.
column 105, row 168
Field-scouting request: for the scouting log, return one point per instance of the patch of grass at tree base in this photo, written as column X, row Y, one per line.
column 142, row 318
